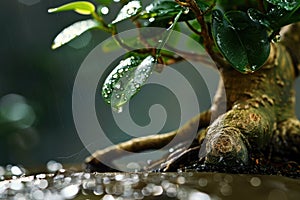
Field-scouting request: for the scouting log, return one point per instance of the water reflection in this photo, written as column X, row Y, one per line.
column 66, row 184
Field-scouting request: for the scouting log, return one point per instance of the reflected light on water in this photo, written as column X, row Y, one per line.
column 198, row 195
column 255, row 181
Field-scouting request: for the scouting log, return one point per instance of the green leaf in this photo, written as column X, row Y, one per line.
column 129, row 10
column 162, row 12
column 81, row 7
column 243, row 42
column 126, row 80
column 74, row 31
column 286, row 4
column 276, row 18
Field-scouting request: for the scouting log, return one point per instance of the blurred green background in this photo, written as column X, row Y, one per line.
column 36, row 122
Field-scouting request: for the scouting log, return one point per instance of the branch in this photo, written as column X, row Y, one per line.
column 208, row 41
column 192, row 56
column 95, row 162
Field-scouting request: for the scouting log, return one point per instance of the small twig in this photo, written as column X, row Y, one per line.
column 192, row 28
column 184, row 4
column 191, row 56
column 105, row 27
column 208, row 41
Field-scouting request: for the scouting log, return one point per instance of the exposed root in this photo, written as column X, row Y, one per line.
column 189, row 131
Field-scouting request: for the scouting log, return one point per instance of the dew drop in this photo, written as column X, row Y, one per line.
column 253, row 67
column 131, row 10
column 120, row 71
column 186, row 11
column 115, row 76
column 137, row 85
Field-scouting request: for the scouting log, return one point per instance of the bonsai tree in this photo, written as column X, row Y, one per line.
column 255, row 46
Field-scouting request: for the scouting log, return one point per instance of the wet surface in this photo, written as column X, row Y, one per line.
column 66, row 184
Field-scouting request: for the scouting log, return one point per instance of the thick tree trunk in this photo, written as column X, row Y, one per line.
column 260, row 118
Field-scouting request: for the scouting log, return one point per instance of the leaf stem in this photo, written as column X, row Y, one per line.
column 104, row 27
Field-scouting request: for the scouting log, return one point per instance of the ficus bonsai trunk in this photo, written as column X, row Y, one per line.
column 259, row 118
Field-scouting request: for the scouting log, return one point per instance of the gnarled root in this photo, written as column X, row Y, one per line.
column 237, row 133
column 102, row 160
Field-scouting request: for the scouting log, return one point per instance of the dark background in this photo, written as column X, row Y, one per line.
column 36, row 122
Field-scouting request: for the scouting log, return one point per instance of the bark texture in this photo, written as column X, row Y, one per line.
column 259, row 122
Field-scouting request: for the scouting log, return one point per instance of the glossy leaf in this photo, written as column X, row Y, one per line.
column 243, row 42
column 81, row 7
column 126, row 80
column 286, row 4
column 162, row 12
column 73, row 31
column 276, row 17
column 129, row 10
